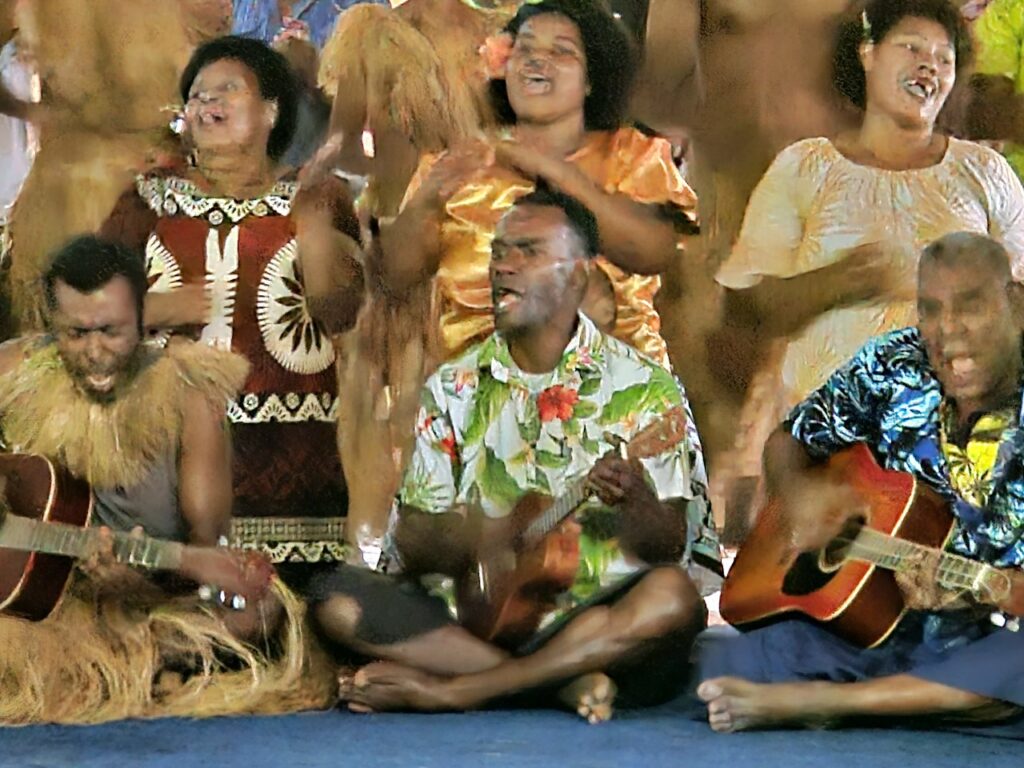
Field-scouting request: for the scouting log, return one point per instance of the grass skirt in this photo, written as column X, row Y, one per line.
column 96, row 659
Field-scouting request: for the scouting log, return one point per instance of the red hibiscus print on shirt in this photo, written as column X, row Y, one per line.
column 557, row 402
column 448, row 446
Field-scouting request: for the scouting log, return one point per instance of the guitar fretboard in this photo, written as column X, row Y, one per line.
column 561, row 508
column 51, row 538
column 954, row 572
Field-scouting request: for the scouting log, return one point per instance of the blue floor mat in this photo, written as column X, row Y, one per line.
column 527, row 738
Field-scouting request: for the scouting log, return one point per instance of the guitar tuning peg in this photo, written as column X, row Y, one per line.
column 617, row 443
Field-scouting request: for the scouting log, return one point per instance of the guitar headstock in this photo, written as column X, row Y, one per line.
column 660, row 436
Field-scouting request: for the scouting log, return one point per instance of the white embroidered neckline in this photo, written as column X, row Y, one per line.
column 173, row 195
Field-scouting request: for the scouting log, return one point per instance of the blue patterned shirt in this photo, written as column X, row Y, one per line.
column 888, row 397
column 261, row 19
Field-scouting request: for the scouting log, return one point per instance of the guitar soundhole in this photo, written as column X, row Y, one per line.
column 805, row 576
column 813, row 570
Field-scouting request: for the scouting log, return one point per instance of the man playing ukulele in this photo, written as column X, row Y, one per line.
column 941, row 401
column 541, row 403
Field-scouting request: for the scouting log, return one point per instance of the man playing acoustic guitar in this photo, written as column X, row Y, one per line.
column 143, row 426
column 538, row 407
column 943, row 402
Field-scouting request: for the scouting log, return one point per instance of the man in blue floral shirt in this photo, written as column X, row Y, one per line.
column 941, row 401
column 539, row 407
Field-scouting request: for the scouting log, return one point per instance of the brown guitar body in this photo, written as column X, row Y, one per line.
column 503, row 599
column 31, row 584
column 857, row 600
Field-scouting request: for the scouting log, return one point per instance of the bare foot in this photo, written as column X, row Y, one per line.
column 591, row 697
column 739, row 705
column 384, row 687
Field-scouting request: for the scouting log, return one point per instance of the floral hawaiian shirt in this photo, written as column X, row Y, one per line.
column 888, row 397
column 489, row 432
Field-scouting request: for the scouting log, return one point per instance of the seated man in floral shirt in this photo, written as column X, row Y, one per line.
column 535, row 407
column 942, row 401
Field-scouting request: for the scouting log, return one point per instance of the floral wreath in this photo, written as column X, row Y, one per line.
column 495, row 53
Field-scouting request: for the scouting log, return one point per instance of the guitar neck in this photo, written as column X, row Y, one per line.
column 563, row 506
column 655, row 438
column 29, row 535
column 954, row 572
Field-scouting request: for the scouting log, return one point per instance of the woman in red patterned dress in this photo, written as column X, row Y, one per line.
column 239, row 257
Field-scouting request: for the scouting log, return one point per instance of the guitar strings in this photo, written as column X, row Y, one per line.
column 953, row 571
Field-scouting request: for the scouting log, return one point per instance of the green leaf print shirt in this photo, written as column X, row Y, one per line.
column 487, row 433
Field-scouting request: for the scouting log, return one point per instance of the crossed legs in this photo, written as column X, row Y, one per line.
column 446, row 668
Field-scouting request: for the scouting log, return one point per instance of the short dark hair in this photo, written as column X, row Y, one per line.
column 611, row 60
column 579, row 217
column 276, row 80
column 969, row 248
column 87, row 263
column 882, row 16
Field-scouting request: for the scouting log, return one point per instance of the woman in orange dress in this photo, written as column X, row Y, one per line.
column 561, row 92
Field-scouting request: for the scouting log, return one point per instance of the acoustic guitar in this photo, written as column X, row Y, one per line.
column 849, row 587
column 503, row 597
column 45, row 526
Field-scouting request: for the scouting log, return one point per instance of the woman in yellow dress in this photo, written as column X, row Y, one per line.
column 561, row 94
column 827, row 255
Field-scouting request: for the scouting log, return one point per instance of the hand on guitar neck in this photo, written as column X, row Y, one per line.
column 1014, row 602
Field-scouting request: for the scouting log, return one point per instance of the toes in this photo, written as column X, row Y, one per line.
column 709, row 690
column 721, row 723
column 718, row 706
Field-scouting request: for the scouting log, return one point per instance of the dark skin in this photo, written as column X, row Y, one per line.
column 897, row 133
column 549, row 128
column 971, row 324
column 228, row 125
column 539, row 276
column 98, row 339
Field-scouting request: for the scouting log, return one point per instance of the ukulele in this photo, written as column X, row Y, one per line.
column 849, row 587
column 503, row 597
column 46, row 526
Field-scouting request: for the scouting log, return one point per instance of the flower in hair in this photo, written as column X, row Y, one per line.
column 865, row 24
column 495, row 53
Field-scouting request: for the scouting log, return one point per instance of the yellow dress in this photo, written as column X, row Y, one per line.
column 811, row 207
column 624, row 161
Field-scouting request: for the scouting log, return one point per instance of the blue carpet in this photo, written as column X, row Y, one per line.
column 658, row 737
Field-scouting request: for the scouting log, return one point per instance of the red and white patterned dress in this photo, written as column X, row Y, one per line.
column 286, row 461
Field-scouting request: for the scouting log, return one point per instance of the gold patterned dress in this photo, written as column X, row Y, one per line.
column 811, row 207
column 623, row 161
